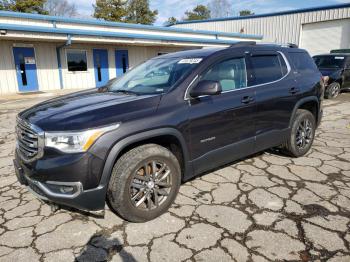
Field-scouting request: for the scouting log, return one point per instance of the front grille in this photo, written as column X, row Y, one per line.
column 29, row 140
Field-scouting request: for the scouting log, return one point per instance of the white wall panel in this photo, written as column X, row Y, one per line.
column 319, row 38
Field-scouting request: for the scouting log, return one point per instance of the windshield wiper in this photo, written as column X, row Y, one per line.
column 124, row 91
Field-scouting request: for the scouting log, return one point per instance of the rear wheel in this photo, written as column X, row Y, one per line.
column 302, row 134
column 144, row 183
column 332, row 91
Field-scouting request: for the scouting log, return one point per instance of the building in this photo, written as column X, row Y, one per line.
column 318, row 30
column 41, row 53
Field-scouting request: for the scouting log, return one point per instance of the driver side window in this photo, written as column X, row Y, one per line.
column 231, row 74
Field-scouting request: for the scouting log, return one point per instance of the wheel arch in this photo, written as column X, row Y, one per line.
column 308, row 103
column 160, row 136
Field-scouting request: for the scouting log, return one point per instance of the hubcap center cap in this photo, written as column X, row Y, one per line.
column 150, row 184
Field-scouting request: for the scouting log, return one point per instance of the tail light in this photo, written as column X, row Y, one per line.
column 325, row 79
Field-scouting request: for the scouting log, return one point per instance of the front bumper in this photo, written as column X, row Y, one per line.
column 70, row 194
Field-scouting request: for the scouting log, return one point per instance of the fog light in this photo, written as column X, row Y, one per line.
column 66, row 189
column 62, row 189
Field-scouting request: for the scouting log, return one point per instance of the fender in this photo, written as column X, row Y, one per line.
column 119, row 146
column 303, row 101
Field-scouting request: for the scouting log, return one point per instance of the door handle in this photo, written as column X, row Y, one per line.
column 294, row 90
column 247, row 99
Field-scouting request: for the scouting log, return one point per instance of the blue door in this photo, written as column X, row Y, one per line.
column 25, row 69
column 101, row 66
column 121, row 61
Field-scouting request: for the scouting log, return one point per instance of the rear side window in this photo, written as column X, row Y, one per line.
column 303, row 63
column 268, row 68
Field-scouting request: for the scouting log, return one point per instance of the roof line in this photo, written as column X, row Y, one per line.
column 303, row 10
column 98, row 22
column 42, row 29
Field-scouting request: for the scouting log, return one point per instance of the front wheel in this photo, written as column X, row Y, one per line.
column 144, row 183
column 332, row 91
column 302, row 134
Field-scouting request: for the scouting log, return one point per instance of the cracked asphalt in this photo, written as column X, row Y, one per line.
column 268, row 207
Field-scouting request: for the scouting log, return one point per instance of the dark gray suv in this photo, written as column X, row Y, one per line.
column 173, row 117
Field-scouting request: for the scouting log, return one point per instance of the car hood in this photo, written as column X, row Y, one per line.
column 330, row 71
column 89, row 109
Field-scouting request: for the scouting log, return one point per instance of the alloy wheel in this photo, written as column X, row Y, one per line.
column 304, row 134
column 151, row 185
column 335, row 90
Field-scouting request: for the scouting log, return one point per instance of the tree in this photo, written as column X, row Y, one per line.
column 200, row 12
column 139, row 12
column 245, row 13
column 4, row 5
column 24, row 6
column 171, row 21
column 110, row 10
column 61, row 8
column 220, row 8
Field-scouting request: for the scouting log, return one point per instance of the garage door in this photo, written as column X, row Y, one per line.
column 320, row 38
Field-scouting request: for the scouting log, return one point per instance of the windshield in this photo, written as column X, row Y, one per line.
column 154, row 76
column 329, row 61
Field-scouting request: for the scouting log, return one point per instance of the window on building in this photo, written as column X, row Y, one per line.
column 76, row 60
column 268, row 68
column 231, row 74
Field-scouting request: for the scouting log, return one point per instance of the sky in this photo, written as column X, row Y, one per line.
column 177, row 8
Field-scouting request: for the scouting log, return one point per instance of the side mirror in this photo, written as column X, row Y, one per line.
column 206, row 88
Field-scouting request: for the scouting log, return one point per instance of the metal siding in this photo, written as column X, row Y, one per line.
column 47, row 68
column 285, row 28
column 8, row 82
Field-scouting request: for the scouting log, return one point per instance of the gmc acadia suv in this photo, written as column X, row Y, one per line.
column 173, row 117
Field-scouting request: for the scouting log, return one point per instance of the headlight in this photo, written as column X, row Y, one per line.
column 75, row 142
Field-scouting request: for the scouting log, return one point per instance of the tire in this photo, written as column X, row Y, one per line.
column 302, row 134
column 132, row 176
column 332, row 91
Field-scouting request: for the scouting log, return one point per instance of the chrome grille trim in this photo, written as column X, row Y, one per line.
column 30, row 141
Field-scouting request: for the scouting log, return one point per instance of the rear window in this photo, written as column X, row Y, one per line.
column 268, row 68
column 330, row 61
column 303, row 63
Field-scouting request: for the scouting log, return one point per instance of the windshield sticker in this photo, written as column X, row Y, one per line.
column 190, row 61
column 339, row 57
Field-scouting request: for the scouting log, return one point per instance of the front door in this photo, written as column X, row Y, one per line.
column 222, row 126
column 25, row 64
column 121, row 62
column 101, row 66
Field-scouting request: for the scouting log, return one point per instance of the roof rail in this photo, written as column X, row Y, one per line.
column 290, row 45
column 243, row 43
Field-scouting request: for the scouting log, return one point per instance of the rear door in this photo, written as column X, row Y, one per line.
column 277, row 93
column 222, row 126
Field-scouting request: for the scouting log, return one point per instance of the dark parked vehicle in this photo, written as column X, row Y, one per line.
column 166, row 121
column 335, row 69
